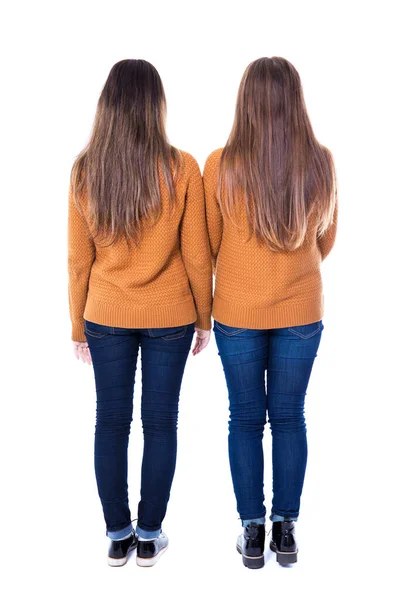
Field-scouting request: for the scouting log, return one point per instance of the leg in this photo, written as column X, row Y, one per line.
column 114, row 355
column 290, row 360
column 243, row 354
column 164, row 355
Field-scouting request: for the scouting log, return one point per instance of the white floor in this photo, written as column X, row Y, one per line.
column 190, row 569
column 58, row 548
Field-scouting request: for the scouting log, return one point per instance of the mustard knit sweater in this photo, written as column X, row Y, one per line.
column 164, row 282
column 255, row 287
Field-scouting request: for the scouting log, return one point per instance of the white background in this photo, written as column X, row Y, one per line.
column 55, row 59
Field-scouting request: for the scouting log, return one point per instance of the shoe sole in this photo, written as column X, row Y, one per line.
column 284, row 558
column 117, row 562
column 150, row 562
column 251, row 562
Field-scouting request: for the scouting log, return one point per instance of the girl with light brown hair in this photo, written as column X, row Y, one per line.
column 271, row 206
column 140, row 276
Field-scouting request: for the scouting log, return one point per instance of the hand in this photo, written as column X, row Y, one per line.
column 202, row 339
column 82, row 352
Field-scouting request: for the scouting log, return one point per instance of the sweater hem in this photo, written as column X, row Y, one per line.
column 269, row 317
column 164, row 315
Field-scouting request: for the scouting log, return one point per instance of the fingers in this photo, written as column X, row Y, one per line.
column 201, row 346
column 86, row 353
column 89, row 355
column 82, row 352
column 75, row 348
column 202, row 339
column 197, row 346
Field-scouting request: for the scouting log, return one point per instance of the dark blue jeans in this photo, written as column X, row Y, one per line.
column 286, row 356
column 114, row 352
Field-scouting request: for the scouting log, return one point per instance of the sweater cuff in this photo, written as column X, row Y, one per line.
column 78, row 332
column 203, row 321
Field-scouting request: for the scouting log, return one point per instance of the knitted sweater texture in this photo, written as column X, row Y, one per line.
column 256, row 287
column 166, row 281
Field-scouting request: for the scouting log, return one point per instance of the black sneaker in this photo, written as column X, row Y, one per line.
column 283, row 542
column 149, row 551
column 250, row 544
column 119, row 550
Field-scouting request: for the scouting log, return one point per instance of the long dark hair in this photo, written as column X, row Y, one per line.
column 273, row 161
column 128, row 154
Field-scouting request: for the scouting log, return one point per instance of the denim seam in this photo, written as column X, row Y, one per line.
column 96, row 334
column 244, row 362
column 231, row 332
column 175, row 336
column 305, row 337
column 114, row 500
column 148, row 530
column 107, row 362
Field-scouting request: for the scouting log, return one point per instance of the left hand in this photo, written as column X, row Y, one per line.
column 82, row 352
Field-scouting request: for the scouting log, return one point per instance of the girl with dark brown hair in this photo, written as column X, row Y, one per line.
column 140, row 276
column 272, row 209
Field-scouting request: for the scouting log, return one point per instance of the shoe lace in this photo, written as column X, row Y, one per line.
column 253, row 531
column 133, row 520
column 285, row 532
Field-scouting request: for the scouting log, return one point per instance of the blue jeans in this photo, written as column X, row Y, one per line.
column 114, row 352
column 286, row 355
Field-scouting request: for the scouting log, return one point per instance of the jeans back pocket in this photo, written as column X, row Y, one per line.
column 169, row 333
column 227, row 329
column 307, row 331
column 96, row 330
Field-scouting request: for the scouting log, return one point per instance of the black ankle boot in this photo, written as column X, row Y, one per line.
column 149, row 551
column 119, row 549
column 283, row 542
column 250, row 544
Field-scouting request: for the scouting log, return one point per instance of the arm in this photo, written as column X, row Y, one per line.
column 195, row 247
column 326, row 242
column 213, row 211
column 81, row 254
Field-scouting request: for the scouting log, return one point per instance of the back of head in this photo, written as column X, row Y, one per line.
column 273, row 161
column 119, row 167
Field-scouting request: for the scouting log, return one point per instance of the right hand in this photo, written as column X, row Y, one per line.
column 82, row 352
column 202, row 339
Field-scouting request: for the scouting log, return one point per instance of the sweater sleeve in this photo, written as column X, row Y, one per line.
column 213, row 211
column 81, row 255
column 327, row 240
column 195, row 247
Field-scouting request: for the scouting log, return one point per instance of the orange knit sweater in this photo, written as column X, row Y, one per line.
column 255, row 287
column 164, row 282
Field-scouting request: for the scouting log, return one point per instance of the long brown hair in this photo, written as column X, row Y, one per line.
column 119, row 169
column 273, row 160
